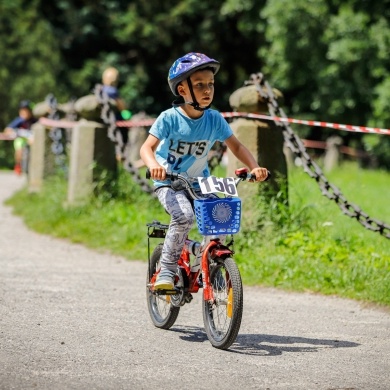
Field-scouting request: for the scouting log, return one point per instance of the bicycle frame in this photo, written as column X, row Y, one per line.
column 213, row 249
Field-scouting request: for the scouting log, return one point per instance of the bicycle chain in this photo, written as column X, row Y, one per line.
column 294, row 143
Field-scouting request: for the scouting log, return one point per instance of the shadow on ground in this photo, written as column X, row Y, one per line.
column 266, row 344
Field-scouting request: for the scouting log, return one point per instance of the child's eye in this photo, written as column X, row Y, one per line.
column 203, row 85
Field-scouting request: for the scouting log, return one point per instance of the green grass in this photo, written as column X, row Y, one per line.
column 320, row 249
column 310, row 246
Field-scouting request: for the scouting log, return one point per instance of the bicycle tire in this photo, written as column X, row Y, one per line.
column 161, row 311
column 222, row 317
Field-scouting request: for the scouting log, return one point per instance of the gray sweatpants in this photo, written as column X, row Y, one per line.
column 179, row 207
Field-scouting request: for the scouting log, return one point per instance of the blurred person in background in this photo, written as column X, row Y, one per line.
column 20, row 130
column 110, row 79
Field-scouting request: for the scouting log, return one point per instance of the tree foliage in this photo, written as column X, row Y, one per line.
column 30, row 61
column 328, row 57
column 331, row 60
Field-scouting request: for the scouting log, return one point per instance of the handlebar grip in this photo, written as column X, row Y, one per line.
column 169, row 175
column 253, row 177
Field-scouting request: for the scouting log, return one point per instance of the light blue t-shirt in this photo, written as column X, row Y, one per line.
column 185, row 142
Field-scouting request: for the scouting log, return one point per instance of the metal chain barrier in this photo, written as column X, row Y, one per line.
column 294, row 143
column 216, row 155
column 108, row 117
column 71, row 116
column 55, row 133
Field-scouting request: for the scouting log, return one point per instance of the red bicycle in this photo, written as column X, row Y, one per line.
column 208, row 264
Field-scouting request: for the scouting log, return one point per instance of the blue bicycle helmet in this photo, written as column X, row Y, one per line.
column 25, row 104
column 183, row 67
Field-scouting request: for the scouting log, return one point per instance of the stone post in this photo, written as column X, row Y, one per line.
column 91, row 153
column 264, row 139
column 332, row 154
column 41, row 162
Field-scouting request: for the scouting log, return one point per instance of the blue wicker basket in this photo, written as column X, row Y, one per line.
column 218, row 216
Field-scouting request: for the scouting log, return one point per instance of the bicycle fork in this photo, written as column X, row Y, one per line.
column 213, row 250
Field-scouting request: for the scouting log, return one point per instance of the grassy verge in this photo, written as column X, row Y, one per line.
column 311, row 246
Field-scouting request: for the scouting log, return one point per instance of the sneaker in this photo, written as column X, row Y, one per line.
column 18, row 169
column 165, row 281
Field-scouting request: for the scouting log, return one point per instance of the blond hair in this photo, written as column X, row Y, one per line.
column 110, row 76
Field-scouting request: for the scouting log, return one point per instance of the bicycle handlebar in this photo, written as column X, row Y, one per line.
column 241, row 173
column 182, row 182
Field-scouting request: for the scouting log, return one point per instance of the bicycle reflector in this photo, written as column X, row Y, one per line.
column 218, row 216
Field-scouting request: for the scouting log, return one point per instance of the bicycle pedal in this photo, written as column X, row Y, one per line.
column 172, row 292
column 168, row 292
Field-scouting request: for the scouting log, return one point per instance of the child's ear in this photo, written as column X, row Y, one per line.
column 181, row 90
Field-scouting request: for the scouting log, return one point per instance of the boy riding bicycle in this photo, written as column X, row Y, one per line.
column 179, row 141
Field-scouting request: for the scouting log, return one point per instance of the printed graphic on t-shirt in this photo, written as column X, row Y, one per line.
column 182, row 148
column 186, row 156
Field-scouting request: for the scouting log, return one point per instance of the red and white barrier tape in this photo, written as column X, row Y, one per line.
column 338, row 126
column 57, row 123
column 139, row 123
column 149, row 122
column 6, row 137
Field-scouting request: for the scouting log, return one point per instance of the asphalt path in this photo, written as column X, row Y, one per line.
column 74, row 318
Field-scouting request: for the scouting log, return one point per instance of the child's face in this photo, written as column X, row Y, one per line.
column 25, row 113
column 202, row 85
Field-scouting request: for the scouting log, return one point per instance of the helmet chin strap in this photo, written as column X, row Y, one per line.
column 180, row 101
column 194, row 102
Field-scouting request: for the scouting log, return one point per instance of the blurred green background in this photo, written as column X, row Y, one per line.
column 330, row 58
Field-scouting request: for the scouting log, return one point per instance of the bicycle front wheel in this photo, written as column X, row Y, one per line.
column 222, row 317
column 161, row 310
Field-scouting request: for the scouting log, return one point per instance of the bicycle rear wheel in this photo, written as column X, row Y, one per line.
column 161, row 310
column 222, row 317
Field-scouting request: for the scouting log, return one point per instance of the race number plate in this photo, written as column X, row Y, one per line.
column 212, row 184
